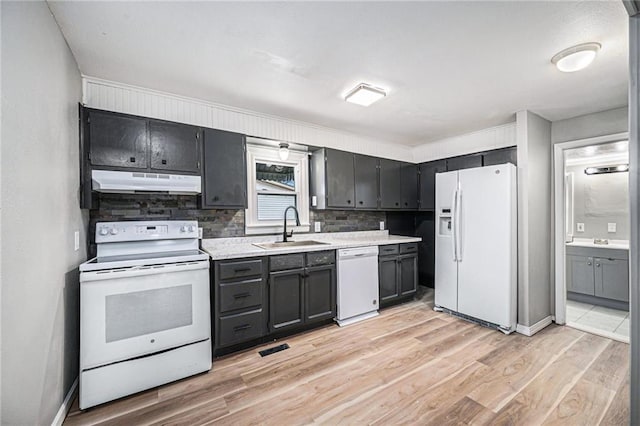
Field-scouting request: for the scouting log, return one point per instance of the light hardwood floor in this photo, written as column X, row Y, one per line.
column 410, row 365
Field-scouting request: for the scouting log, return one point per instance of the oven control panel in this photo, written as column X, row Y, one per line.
column 111, row 232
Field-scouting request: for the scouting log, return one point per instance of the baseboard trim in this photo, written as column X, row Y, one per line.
column 66, row 405
column 530, row 330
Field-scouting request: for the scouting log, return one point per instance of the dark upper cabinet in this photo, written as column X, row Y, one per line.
column 224, row 170
column 500, row 156
column 390, row 184
column 121, row 141
column 428, row 183
column 340, row 179
column 409, row 179
column 464, row 162
column 320, row 293
column 366, row 181
column 117, row 140
column 174, row 146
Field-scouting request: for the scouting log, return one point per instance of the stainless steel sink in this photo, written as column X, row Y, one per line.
column 289, row 244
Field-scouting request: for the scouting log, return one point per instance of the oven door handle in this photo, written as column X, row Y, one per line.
column 139, row 271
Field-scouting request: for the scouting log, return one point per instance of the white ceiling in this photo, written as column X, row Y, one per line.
column 450, row 67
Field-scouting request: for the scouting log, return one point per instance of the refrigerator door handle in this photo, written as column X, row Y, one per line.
column 454, row 199
column 458, row 233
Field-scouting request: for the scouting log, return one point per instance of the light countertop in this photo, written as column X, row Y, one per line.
column 233, row 248
column 588, row 242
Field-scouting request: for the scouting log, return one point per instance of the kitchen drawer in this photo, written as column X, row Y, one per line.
column 408, row 248
column 240, row 328
column 317, row 258
column 240, row 268
column 605, row 253
column 388, row 249
column 241, row 294
column 286, row 261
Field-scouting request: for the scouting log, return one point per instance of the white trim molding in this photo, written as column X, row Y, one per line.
column 66, row 405
column 560, row 231
column 530, row 330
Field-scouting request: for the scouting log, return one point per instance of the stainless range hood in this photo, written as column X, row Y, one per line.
column 141, row 182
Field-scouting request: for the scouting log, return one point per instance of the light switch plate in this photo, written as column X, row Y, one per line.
column 314, row 201
column 580, row 227
column 76, row 240
column 200, row 233
column 316, row 226
column 382, row 225
column 611, row 227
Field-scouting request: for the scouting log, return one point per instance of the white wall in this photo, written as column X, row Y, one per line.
column 41, row 87
column 128, row 99
column 483, row 140
column 591, row 125
column 534, row 217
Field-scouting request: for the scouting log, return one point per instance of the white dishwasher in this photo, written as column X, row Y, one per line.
column 357, row 284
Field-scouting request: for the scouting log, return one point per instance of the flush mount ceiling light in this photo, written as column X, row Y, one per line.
column 365, row 94
column 283, row 151
column 576, row 58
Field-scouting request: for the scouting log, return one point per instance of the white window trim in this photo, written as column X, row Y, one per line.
column 300, row 163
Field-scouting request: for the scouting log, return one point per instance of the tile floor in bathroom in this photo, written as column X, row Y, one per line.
column 611, row 323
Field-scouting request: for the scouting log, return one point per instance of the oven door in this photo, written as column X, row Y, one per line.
column 128, row 313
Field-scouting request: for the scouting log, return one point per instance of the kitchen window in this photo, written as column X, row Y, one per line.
column 273, row 185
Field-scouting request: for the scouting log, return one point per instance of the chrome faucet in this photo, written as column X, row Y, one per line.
column 286, row 235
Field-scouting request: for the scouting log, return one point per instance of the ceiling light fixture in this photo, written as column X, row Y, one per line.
column 576, row 58
column 365, row 94
column 606, row 169
column 283, row 151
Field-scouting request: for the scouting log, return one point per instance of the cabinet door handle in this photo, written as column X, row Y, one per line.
column 164, row 161
column 241, row 295
column 215, row 198
column 241, row 270
column 597, row 265
column 132, row 159
column 360, row 202
column 242, row 327
column 348, row 201
column 588, row 263
column 397, row 204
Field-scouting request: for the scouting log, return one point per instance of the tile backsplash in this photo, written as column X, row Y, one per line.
column 215, row 223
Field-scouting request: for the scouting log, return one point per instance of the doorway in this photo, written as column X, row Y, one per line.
column 592, row 235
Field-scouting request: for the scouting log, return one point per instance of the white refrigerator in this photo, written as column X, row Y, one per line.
column 476, row 244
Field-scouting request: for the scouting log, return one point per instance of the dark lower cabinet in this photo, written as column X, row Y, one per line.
column 320, row 293
column 238, row 303
column 224, row 170
column 302, row 295
column 286, row 299
column 397, row 272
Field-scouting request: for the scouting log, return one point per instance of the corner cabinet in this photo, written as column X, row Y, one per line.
column 427, row 187
column 397, row 272
column 302, row 289
column 224, row 170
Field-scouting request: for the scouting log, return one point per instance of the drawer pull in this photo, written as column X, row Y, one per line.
column 241, row 270
column 242, row 327
column 241, row 295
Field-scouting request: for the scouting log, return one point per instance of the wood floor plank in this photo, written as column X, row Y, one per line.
column 534, row 403
column 585, row 404
column 409, row 365
column 618, row 412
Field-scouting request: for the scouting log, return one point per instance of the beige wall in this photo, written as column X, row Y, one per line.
column 41, row 87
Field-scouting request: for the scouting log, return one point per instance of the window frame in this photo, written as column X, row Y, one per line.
column 299, row 160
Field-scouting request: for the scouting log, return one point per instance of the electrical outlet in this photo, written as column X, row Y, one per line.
column 200, row 233
column 611, row 227
column 382, row 225
column 76, row 240
column 580, row 227
column 316, row 226
column 314, row 201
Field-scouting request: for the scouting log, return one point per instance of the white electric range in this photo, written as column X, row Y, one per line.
column 144, row 309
